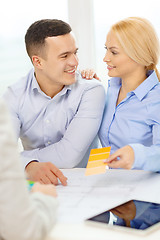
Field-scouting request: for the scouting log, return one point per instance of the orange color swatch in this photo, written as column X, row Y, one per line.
column 95, row 163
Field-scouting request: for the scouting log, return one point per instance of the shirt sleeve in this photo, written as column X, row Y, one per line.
column 9, row 98
column 69, row 151
column 23, row 216
column 148, row 157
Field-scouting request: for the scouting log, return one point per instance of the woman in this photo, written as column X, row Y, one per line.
column 131, row 121
column 23, row 216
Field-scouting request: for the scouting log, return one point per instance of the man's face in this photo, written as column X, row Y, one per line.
column 60, row 62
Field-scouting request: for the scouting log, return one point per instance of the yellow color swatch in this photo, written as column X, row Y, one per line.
column 95, row 163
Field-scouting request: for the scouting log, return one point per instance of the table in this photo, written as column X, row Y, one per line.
column 87, row 196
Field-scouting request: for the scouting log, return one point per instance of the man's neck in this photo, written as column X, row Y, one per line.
column 51, row 91
column 48, row 88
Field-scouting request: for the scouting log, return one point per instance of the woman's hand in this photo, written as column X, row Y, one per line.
column 89, row 74
column 122, row 158
column 48, row 189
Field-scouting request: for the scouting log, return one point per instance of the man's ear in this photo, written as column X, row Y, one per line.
column 37, row 61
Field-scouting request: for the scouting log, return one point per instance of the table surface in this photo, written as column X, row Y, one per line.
column 73, row 208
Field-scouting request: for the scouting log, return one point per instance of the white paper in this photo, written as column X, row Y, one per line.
column 86, row 196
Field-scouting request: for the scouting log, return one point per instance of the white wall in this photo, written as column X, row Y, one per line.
column 80, row 14
column 90, row 21
column 15, row 18
column 108, row 12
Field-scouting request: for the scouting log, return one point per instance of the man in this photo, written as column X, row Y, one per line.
column 55, row 112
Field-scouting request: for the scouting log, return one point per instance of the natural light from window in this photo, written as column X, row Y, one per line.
column 107, row 13
column 15, row 17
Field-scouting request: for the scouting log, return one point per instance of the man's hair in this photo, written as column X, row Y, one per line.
column 40, row 30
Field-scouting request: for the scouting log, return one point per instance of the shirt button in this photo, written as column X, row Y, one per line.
column 47, row 121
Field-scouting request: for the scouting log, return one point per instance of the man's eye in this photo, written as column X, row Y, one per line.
column 64, row 56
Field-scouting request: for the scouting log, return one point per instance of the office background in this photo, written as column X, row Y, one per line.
column 90, row 21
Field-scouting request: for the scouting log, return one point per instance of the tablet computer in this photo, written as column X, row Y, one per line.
column 138, row 216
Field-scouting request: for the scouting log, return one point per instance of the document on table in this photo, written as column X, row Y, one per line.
column 85, row 196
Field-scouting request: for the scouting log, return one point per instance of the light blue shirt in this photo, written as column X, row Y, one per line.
column 59, row 129
column 135, row 122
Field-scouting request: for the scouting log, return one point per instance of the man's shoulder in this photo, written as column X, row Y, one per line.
column 86, row 84
column 21, row 85
column 87, row 89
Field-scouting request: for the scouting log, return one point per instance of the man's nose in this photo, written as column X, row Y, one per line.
column 74, row 60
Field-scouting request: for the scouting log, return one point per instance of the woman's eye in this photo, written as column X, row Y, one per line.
column 114, row 53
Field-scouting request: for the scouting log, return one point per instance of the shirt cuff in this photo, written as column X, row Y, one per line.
column 25, row 161
column 139, row 156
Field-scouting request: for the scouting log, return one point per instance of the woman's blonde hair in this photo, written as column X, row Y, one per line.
column 139, row 40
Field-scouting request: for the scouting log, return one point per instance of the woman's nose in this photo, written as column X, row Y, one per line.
column 106, row 57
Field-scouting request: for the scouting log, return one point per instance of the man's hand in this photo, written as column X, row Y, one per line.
column 122, row 158
column 46, row 173
column 89, row 74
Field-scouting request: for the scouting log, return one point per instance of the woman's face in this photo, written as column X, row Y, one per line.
column 118, row 63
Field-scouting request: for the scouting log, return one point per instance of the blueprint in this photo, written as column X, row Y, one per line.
column 86, row 196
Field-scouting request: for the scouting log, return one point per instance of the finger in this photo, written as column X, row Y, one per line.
column 52, row 177
column 89, row 74
column 113, row 157
column 96, row 77
column 83, row 73
column 45, row 180
column 59, row 174
column 42, row 175
column 122, row 163
column 110, row 159
column 86, row 73
column 115, row 164
column 92, row 74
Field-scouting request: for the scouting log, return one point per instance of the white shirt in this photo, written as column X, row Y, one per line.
column 23, row 216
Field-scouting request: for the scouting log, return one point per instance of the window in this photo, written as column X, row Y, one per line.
column 16, row 16
column 107, row 13
column 89, row 19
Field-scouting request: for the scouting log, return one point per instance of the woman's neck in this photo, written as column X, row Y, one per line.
column 130, row 84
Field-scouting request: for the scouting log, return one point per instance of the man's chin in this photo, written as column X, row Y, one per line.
column 71, row 80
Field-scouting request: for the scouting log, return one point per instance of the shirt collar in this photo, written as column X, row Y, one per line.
column 35, row 86
column 141, row 91
column 150, row 82
column 115, row 81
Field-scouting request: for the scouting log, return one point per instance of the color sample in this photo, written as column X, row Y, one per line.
column 95, row 163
